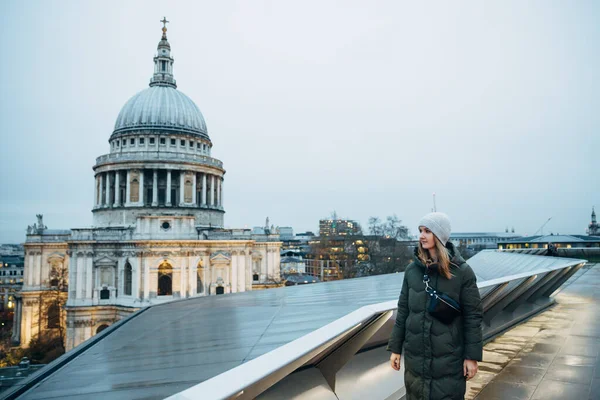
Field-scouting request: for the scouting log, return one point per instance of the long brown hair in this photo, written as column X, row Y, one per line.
column 443, row 258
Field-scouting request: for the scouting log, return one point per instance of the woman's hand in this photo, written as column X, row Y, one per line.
column 395, row 361
column 469, row 368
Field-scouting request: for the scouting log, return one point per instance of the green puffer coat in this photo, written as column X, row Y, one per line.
column 433, row 351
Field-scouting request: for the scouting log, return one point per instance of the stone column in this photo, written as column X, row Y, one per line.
column 107, row 199
column 79, row 282
column 72, row 277
column 248, row 271
column 89, row 268
column 155, row 189
column 38, row 264
column 241, row 272
column 146, row 266
column 184, row 268
column 181, row 188
column 218, row 203
column 221, row 195
column 234, row 271
column 96, row 194
column 203, row 189
column 30, row 267
column 117, row 188
column 212, row 191
column 102, row 188
column 207, row 277
column 16, row 336
column 142, row 189
column 194, row 195
column 128, row 189
column 168, row 203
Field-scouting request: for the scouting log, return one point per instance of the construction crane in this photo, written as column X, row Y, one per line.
column 542, row 227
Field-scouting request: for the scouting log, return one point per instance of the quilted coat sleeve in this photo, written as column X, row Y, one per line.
column 470, row 302
column 397, row 337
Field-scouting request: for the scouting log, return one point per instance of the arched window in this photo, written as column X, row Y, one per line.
column 101, row 328
column 104, row 294
column 53, row 316
column 220, row 290
column 165, row 279
column 128, row 278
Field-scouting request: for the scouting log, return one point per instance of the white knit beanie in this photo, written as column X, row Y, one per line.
column 439, row 224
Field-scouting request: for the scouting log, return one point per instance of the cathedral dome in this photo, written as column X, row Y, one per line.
column 161, row 108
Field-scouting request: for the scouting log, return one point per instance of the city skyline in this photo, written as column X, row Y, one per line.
column 366, row 109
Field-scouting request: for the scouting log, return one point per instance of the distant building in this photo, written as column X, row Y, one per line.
column 305, row 236
column 339, row 227
column 541, row 242
column 11, row 250
column 11, row 280
column 292, row 262
column 593, row 227
column 286, row 233
column 481, row 240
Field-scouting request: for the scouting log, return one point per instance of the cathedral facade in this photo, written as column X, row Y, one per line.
column 157, row 230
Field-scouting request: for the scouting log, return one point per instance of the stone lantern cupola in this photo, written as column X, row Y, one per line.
column 163, row 62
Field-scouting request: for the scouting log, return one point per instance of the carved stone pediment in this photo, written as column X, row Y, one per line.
column 220, row 258
column 105, row 262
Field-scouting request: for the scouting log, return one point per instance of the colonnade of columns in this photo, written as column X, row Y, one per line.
column 158, row 188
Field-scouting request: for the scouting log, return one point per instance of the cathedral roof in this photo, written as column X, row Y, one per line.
column 162, row 108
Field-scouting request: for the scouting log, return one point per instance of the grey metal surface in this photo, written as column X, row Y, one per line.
column 173, row 346
column 161, row 108
column 491, row 264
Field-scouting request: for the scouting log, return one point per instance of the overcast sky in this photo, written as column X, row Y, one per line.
column 365, row 108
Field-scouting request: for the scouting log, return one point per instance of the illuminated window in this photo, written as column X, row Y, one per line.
column 165, row 279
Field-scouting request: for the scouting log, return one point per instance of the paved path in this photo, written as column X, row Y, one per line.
column 551, row 356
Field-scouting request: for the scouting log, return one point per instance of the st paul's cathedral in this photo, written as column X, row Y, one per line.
column 157, row 231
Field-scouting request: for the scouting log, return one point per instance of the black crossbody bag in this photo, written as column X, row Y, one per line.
column 441, row 306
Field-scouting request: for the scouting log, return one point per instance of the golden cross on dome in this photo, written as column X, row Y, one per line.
column 164, row 28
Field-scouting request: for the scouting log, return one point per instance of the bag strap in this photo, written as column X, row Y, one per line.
column 426, row 281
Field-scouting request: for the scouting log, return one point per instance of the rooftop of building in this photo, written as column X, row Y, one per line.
column 555, row 239
column 483, row 234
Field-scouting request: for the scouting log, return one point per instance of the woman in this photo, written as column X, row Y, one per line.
column 438, row 357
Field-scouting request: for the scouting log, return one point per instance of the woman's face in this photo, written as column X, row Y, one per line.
column 426, row 238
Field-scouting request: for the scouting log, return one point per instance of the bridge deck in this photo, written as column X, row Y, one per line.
column 553, row 355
